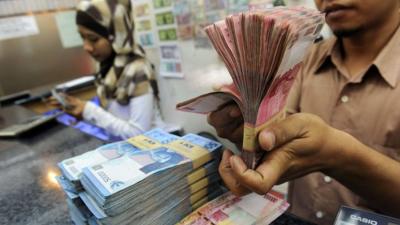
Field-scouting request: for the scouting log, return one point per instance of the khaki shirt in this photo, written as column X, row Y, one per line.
column 367, row 107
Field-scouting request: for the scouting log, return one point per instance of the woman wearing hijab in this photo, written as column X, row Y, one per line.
column 125, row 81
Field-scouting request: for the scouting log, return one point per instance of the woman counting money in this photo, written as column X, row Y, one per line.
column 125, row 79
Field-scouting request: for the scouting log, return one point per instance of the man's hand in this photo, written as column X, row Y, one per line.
column 228, row 175
column 228, row 122
column 298, row 145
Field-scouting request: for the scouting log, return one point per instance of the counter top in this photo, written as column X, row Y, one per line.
column 29, row 194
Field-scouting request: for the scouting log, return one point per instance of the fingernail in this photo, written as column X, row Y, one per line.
column 268, row 140
column 237, row 163
column 226, row 154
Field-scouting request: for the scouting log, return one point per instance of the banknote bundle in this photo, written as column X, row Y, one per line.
column 78, row 212
column 72, row 168
column 251, row 209
column 151, row 178
column 262, row 51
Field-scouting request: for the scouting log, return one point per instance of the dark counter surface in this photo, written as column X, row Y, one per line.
column 29, row 194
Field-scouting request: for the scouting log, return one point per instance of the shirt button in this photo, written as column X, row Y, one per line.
column 327, row 179
column 344, row 98
column 319, row 214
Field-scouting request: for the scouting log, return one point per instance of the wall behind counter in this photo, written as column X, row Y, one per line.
column 38, row 60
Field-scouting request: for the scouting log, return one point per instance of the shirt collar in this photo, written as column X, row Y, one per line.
column 326, row 55
column 386, row 62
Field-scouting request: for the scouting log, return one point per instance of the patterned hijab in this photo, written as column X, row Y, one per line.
column 127, row 73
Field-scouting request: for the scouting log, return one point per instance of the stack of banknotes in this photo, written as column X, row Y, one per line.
column 251, row 209
column 153, row 178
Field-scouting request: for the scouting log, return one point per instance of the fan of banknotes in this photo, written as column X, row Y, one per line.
column 262, row 51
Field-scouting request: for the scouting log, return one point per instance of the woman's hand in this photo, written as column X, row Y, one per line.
column 73, row 106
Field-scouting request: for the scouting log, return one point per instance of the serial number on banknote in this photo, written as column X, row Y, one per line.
column 104, row 177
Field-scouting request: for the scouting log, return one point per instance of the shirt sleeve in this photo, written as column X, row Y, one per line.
column 140, row 116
